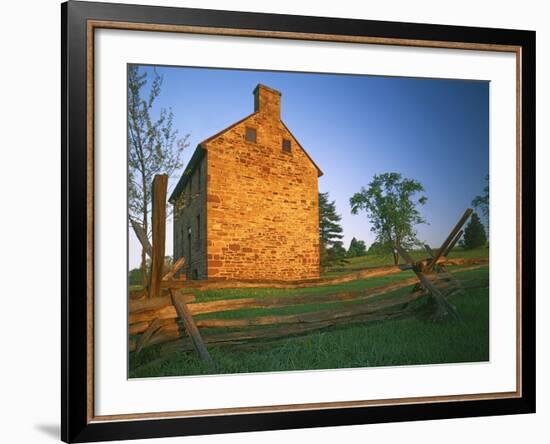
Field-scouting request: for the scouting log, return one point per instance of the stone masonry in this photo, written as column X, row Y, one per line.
column 254, row 213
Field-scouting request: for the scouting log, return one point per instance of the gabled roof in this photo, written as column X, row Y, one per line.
column 319, row 171
column 201, row 149
column 219, row 133
column 197, row 156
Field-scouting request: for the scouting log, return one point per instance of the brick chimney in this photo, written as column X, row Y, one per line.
column 267, row 100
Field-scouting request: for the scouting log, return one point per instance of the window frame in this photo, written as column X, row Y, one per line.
column 284, row 149
column 250, row 130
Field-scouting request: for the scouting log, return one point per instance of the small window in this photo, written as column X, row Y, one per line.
column 251, row 135
column 286, row 145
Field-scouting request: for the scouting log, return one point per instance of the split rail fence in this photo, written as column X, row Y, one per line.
column 168, row 310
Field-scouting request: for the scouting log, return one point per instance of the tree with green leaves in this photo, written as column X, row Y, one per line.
column 357, row 248
column 153, row 147
column 481, row 202
column 474, row 234
column 381, row 248
column 332, row 250
column 391, row 204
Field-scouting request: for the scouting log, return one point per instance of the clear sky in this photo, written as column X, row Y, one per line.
column 433, row 130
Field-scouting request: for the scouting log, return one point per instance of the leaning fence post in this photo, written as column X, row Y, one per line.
column 160, row 185
column 450, row 239
column 190, row 326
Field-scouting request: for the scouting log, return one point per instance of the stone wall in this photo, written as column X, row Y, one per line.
column 262, row 202
column 190, row 224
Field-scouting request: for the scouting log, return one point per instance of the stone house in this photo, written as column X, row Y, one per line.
column 246, row 206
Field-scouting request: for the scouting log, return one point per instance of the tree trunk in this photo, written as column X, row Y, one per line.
column 144, row 268
column 395, row 258
column 394, row 251
column 146, row 231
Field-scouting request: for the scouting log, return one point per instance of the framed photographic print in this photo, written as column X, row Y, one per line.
column 275, row 221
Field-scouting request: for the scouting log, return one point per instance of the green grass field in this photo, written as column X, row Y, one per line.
column 413, row 340
column 378, row 260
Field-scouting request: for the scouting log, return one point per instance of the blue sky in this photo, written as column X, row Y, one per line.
column 433, row 130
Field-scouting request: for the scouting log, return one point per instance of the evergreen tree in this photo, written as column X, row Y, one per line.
column 474, row 234
column 481, row 202
column 357, row 248
column 330, row 233
column 336, row 255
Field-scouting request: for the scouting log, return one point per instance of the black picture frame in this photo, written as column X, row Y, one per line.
column 76, row 423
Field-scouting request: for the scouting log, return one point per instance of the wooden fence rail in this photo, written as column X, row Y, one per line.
column 295, row 324
column 169, row 312
column 365, row 305
column 213, row 284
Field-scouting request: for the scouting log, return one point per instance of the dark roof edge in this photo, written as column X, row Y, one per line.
column 199, row 151
column 319, row 171
column 219, row 133
column 197, row 156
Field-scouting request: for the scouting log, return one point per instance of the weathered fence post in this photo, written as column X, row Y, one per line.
column 175, row 268
column 142, row 237
column 160, row 185
column 190, row 327
column 148, row 334
column 451, row 239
